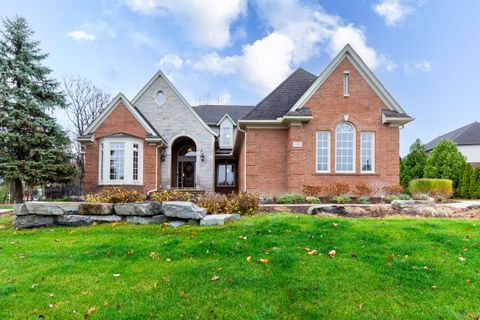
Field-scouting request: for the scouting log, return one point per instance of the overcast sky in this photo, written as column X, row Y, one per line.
column 236, row 51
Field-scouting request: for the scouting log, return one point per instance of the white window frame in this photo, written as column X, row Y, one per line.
column 346, row 78
column 328, row 151
column 372, row 152
column 234, row 174
column 128, row 161
column 354, row 151
column 226, row 125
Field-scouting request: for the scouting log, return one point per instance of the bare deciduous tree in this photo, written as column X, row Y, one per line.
column 85, row 102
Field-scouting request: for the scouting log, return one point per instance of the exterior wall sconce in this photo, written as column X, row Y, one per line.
column 163, row 155
column 202, row 156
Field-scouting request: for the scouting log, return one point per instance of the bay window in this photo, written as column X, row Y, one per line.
column 121, row 161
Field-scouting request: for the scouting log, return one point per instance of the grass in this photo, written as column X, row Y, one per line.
column 6, row 206
column 384, row 268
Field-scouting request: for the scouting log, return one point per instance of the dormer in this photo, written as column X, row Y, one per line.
column 226, row 125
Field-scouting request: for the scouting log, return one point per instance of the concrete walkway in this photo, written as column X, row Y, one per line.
column 463, row 204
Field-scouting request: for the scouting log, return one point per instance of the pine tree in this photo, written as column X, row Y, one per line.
column 475, row 184
column 445, row 162
column 465, row 187
column 413, row 164
column 33, row 148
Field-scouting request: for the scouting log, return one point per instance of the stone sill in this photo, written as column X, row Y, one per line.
column 346, row 174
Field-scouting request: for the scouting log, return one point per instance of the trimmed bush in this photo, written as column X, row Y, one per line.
column 475, row 184
column 290, row 198
column 464, row 184
column 171, row 195
column 432, row 187
column 404, row 196
column 364, row 200
column 312, row 200
column 391, row 197
column 337, row 189
column 363, row 190
column 341, row 199
column 311, row 190
column 116, row 195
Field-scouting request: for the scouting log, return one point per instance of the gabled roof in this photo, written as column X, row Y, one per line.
column 350, row 54
column 281, row 99
column 212, row 114
column 170, row 84
column 120, row 97
column 467, row 135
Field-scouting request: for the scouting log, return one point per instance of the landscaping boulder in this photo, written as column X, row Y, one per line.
column 137, row 209
column 218, row 219
column 176, row 223
column 33, row 221
column 183, row 210
column 411, row 204
column 158, row 219
column 319, row 208
column 95, row 209
column 75, row 220
column 46, row 208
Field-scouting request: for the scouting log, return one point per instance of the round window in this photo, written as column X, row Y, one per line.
column 160, row 97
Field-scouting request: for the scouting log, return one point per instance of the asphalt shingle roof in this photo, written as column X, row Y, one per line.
column 281, row 99
column 212, row 114
column 467, row 135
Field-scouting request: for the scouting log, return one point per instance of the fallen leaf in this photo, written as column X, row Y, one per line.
column 468, row 281
column 249, row 258
column 153, row 255
column 434, row 287
column 461, row 259
column 105, row 303
column 312, row 252
column 360, row 306
column 155, row 284
column 332, row 253
column 166, row 279
column 168, row 260
column 131, row 252
column 242, row 237
column 91, row 310
column 94, row 223
column 264, row 261
column 108, row 254
column 116, row 275
column 183, row 295
column 215, row 278
column 354, row 255
column 335, row 225
column 306, row 249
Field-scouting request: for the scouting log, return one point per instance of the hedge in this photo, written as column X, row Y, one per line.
column 432, row 187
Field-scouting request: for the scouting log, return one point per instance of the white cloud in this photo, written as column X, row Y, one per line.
column 297, row 32
column 393, row 11
column 208, row 21
column 421, row 66
column 171, row 61
column 92, row 30
column 81, row 35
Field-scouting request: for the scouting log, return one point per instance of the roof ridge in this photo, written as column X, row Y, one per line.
column 461, row 130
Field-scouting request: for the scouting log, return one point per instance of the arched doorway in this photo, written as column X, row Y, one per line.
column 184, row 160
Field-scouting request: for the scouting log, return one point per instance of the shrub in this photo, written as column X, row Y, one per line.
column 312, row 190
column 244, row 203
column 312, row 200
column 116, row 195
column 445, row 162
column 421, row 196
column 337, row 189
column 171, row 195
column 412, row 165
column 341, row 199
column 404, row 196
column 464, row 184
column 290, row 198
column 431, row 187
column 394, row 189
column 214, row 203
column 475, row 184
column 391, row 197
column 363, row 190
column 364, row 200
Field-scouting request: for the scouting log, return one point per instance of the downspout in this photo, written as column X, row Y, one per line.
column 156, row 168
column 245, row 159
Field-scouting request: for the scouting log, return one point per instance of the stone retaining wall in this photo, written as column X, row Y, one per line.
column 176, row 213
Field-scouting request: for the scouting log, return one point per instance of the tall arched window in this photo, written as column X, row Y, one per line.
column 345, row 148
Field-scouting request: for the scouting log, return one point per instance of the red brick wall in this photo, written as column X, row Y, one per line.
column 120, row 120
column 241, row 161
column 273, row 165
column 266, row 152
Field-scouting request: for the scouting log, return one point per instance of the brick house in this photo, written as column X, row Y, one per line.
column 341, row 126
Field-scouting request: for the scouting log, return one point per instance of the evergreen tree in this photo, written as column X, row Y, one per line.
column 460, row 179
column 465, row 186
column 412, row 165
column 475, row 184
column 33, row 148
column 445, row 162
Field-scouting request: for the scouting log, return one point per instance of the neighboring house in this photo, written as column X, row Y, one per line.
column 466, row 138
column 339, row 127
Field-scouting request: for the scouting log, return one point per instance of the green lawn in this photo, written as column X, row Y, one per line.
column 384, row 268
column 6, row 206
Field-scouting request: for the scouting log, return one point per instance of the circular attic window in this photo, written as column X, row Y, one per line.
column 160, row 97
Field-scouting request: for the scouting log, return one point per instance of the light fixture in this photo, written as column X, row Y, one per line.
column 202, row 156
column 163, row 155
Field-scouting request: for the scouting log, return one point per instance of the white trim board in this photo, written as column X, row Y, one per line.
column 160, row 74
column 350, row 54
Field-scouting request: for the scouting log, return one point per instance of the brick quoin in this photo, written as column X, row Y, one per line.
column 120, row 120
column 273, row 166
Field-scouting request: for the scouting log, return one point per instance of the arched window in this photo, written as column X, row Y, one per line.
column 345, row 148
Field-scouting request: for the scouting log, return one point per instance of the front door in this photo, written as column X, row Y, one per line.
column 186, row 174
